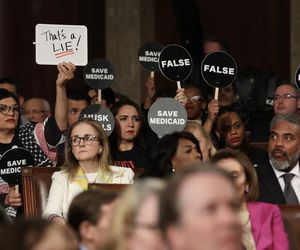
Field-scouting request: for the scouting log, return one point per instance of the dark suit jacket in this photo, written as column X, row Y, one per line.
column 269, row 187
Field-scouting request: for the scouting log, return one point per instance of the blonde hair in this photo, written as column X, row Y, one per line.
column 193, row 124
column 127, row 210
column 71, row 164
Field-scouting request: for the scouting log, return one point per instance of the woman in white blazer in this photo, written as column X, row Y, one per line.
column 87, row 161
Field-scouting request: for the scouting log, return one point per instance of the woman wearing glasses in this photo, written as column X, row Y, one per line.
column 9, row 118
column 87, row 161
column 12, row 135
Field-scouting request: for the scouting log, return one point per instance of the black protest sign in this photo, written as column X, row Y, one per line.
column 298, row 78
column 12, row 162
column 100, row 114
column 148, row 56
column 175, row 63
column 219, row 69
column 99, row 73
column 167, row 115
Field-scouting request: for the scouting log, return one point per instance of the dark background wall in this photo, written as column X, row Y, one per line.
column 258, row 33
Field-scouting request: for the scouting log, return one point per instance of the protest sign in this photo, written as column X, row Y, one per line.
column 219, row 70
column 12, row 162
column 167, row 115
column 56, row 43
column 175, row 63
column 148, row 56
column 100, row 114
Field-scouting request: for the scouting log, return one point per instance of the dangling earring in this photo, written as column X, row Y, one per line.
column 247, row 189
column 100, row 151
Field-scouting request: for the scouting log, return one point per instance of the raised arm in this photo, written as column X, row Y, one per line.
column 65, row 73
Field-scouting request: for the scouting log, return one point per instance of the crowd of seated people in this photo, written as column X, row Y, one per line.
column 218, row 201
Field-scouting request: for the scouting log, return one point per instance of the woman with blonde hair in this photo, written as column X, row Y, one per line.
column 135, row 222
column 87, row 161
column 205, row 142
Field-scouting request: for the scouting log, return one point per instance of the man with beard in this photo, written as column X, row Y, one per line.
column 279, row 177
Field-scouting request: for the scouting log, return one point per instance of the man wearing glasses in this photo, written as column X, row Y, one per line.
column 286, row 99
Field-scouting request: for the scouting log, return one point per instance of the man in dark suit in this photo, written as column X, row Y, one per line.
column 279, row 176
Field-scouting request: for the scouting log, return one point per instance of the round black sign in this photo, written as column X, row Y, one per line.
column 175, row 62
column 148, row 56
column 99, row 73
column 167, row 115
column 100, row 114
column 298, row 78
column 219, row 69
column 12, row 162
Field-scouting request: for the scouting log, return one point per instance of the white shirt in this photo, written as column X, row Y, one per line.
column 295, row 182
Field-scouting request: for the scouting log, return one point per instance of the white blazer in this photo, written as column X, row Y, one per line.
column 62, row 190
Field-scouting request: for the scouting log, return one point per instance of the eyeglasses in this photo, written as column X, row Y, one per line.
column 87, row 139
column 195, row 98
column 284, row 97
column 4, row 109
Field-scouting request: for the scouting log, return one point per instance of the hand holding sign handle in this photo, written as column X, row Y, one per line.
column 152, row 74
column 178, row 85
column 13, row 197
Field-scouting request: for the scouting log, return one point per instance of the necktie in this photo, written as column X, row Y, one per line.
column 289, row 192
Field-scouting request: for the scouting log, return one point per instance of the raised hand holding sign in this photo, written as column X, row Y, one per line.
column 219, row 70
column 175, row 63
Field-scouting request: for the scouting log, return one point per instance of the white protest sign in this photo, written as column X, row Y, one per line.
column 56, row 43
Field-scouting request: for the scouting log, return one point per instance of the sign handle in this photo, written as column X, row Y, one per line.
column 99, row 95
column 178, row 85
column 216, row 93
column 152, row 74
column 17, row 188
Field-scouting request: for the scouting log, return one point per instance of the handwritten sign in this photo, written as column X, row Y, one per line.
column 58, row 43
